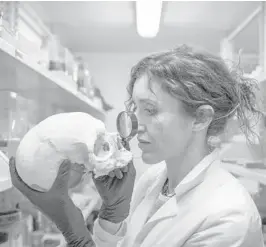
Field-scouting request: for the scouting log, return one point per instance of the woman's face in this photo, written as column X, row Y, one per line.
column 165, row 129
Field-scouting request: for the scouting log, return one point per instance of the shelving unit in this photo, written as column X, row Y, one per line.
column 21, row 75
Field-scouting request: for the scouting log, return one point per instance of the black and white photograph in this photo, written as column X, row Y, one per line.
column 133, row 123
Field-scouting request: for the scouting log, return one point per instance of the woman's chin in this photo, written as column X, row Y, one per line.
column 150, row 158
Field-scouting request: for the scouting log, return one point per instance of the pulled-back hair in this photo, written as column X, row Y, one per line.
column 196, row 78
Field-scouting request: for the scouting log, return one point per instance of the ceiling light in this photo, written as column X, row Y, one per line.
column 148, row 15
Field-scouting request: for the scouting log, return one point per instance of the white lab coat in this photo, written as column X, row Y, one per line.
column 210, row 209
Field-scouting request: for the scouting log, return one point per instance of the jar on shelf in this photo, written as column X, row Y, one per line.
column 88, row 84
column 75, row 69
column 56, row 54
column 80, row 73
column 84, row 79
column 44, row 52
column 69, row 61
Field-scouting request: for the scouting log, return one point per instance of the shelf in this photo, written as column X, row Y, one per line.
column 258, row 175
column 24, row 76
column 4, row 142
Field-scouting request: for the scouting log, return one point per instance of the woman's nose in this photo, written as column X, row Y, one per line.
column 141, row 125
column 141, row 128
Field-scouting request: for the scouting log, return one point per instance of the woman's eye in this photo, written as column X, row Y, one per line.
column 150, row 111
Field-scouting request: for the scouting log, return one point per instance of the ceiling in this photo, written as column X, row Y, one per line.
column 98, row 26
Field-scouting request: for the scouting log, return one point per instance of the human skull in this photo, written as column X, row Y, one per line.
column 75, row 136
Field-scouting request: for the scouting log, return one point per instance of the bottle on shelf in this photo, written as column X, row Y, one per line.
column 80, row 74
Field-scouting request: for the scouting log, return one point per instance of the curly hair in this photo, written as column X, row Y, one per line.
column 197, row 77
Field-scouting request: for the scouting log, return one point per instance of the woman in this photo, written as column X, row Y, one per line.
column 182, row 99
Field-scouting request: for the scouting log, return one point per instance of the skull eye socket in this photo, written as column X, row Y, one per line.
column 102, row 147
column 106, row 147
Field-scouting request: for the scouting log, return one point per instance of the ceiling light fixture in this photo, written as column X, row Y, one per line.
column 148, row 16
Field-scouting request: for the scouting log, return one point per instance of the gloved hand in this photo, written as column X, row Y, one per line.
column 57, row 205
column 116, row 192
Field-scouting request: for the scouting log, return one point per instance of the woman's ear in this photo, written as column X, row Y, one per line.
column 203, row 117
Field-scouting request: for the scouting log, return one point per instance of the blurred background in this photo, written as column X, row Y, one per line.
column 77, row 56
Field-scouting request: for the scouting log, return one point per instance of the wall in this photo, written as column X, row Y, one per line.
column 111, row 72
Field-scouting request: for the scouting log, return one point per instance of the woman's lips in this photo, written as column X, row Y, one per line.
column 143, row 144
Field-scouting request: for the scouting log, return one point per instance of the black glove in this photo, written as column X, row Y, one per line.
column 116, row 193
column 57, row 205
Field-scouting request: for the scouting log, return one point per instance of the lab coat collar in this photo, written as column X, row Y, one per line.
column 196, row 175
column 193, row 178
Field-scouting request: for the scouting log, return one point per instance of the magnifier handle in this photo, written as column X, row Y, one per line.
column 125, row 144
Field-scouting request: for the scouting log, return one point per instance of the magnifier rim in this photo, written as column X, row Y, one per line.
column 134, row 123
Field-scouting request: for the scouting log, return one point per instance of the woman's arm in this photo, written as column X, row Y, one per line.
column 110, row 236
column 110, row 227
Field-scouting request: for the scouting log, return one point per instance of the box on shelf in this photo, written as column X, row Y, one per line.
column 10, row 14
column 6, row 31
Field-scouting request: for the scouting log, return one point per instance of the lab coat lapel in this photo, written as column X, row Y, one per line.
column 156, row 232
column 193, row 179
column 168, row 210
column 141, row 213
column 172, row 208
column 162, row 229
column 191, row 209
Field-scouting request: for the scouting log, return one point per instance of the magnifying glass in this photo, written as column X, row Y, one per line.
column 127, row 126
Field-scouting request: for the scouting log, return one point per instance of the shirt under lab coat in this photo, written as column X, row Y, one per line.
column 210, row 209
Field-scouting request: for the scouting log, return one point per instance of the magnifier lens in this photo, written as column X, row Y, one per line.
column 124, row 125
